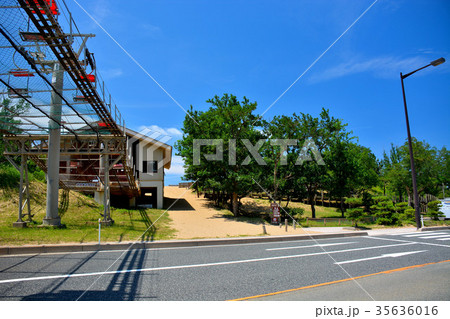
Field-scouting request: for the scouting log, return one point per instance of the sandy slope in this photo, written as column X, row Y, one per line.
column 194, row 218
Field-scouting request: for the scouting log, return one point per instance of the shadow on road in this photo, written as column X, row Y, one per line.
column 120, row 286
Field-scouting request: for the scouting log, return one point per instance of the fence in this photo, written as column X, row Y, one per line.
column 338, row 221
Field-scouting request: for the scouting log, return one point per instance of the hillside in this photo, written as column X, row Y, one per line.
column 80, row 220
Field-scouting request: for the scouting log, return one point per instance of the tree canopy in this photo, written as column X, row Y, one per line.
column 229, row 151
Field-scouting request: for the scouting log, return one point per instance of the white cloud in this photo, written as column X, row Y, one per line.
column 100, row 10
column 171, row 131
column 174, row 131
column 384, row 67
column 176, row 167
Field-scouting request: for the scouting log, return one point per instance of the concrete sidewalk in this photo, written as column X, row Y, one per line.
column 376, row 232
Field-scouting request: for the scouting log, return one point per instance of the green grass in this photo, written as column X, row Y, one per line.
column 81, row 221
column 321, row 211
column 429, row 223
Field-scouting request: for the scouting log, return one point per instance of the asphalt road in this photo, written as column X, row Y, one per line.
column 241, row 271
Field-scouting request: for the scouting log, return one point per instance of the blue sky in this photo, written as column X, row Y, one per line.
column 197, row 49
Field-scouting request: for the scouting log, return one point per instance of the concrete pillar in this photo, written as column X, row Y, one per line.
column 132, row 202
column 159, row 196
column 104, row 165
column 23, row 167
column 54, row 145
column 99, row 197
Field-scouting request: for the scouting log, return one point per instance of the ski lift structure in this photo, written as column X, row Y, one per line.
column 51, row 5
column 15, row 92
column 43, row 65
column 23, row 92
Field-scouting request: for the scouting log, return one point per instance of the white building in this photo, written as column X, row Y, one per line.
column 148, row 158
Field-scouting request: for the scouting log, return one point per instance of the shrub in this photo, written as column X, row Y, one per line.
column 367, row 201
column 385, row 211
column 408, row 215
column 9, row 177
column 295, row 212
column 355, row 214
column 38, row 175
column 433, row 210
column 354, row 201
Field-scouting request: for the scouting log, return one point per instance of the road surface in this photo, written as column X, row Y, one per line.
column 355, row 268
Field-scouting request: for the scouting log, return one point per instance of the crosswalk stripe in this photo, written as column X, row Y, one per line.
column 426, row 234
column 437, row 236
column 443, row 239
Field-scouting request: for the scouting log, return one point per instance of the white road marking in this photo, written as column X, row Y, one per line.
column 172, row 248
column 408, row 241
column 425, row 234
column 437, row 236
column 318, row 245
column 195, row 265
column 394, row 255
column 443, row 239
column 402, row 234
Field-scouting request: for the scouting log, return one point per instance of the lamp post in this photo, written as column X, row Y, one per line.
column 411, row 155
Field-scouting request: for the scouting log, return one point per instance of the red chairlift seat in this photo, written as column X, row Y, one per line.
column 21, row 73
column 90, row 77
column 51, row 3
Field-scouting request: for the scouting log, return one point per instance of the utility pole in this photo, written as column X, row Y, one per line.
column 54, row 145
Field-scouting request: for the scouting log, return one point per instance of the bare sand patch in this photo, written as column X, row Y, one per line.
column 194, row 217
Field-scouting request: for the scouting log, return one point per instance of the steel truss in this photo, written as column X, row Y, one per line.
column 93, row 142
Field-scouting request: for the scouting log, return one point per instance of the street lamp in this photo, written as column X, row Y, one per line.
column 411, row 156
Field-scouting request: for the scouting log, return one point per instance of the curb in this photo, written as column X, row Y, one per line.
column 42, row 249
column 435, row 228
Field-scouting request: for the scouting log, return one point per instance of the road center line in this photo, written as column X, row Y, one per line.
column 342, row 280
column 318, row 245
column 195, row 265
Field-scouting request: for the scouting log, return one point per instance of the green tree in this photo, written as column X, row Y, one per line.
column 280, row 160
column 426, row 164
column 322, row 132
column 434, row 210
column 385, row 211
column 9, row 121
column 229, row 122
column 393, row 174
column 430, row 169
column 355, row 212
column 443, row 176
column 352, row 169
